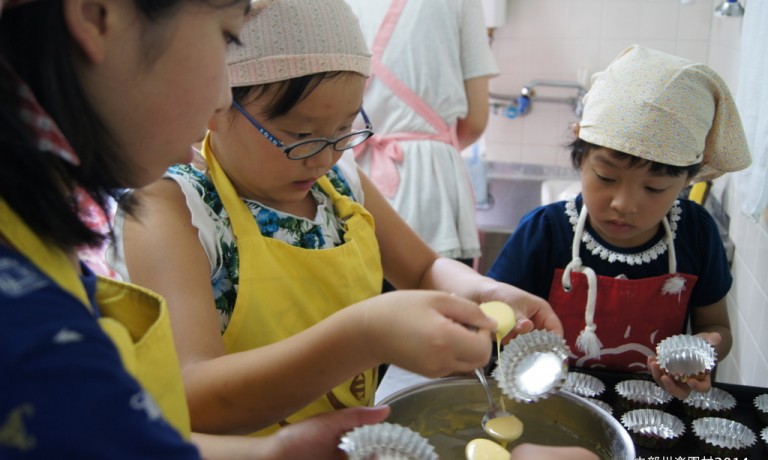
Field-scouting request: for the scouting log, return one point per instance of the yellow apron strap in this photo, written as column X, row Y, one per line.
column 135, row 319
column 56, row 266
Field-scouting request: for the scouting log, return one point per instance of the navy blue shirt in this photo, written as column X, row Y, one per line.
column 542, row 243
column 63, row 390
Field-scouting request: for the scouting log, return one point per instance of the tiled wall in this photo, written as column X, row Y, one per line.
column 570, row 39
column 748, row 361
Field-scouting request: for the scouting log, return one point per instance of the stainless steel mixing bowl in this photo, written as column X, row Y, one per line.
column 448, row 413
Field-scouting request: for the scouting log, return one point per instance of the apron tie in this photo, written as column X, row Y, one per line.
column 587, row 342
column 386, row 152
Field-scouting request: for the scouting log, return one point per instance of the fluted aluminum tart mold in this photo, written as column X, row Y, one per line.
column 386, row 441
column 653, row 428
column 686, row 356
column 761, row 404
column 584, row 385
column 642, row 394
column 722, row 437
column 712, row 403
column 601, row 404
column 532, row 366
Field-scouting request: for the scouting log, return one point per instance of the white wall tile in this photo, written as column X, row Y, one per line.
column 505, row 152
column 695, row 50
column 510, row 55
column 524, row 17
column 668, row 46
column 584, row 19
column 749, row 247
column 552, row 155
column 761, row 265
column 728, row 370
column 739, row 222
column 694, row 21
column 739, row 294
column 620, row 19
column 658, row 20
column 579, row 53
column 546, row 55
column 504, row 130
column 610, row 48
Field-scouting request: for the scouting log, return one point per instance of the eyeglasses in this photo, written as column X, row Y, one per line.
column 307, row 148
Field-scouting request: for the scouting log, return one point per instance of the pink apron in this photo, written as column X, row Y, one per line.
column 630, row 316
column 385, row 148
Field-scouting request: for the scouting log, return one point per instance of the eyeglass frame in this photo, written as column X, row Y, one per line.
column 286, row 149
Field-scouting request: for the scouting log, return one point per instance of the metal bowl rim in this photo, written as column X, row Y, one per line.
column 456, row 381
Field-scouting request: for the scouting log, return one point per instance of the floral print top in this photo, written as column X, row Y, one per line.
column 326, row 230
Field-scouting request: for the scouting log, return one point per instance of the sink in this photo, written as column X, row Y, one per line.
column 511, row 191
column 507, row 202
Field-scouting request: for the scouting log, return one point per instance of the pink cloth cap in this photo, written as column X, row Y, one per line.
column 285, row 39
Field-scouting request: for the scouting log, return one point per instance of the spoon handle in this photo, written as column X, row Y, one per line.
column 491, row 402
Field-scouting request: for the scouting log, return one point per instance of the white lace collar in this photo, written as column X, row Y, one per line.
column 597, row 249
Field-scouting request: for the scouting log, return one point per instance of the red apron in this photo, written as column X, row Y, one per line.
column 385, row 148
column 630, row 317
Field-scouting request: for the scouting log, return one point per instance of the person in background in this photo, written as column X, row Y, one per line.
column 90, row 96
column 428, row 98
column 627, row 263
column 271, row 247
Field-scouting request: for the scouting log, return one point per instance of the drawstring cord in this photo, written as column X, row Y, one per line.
column 588, row 341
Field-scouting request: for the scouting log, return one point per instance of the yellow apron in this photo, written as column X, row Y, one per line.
column 284, row 289
column 135, row 319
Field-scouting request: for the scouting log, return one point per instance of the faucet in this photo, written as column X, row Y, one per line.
column 576, row 101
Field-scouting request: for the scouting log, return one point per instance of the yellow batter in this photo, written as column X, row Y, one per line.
column 503, row 314
column 505, row 429
column 484, row 449
column 505, row 319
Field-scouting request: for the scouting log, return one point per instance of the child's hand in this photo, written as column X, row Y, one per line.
column 428, row 332
column 541, row 452
column 532, row 312
column 681, row 390
column 318, row 437
column 313, row 438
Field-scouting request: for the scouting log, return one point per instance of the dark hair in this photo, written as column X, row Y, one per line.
column 580, row 148
column 287, row 93
column 35, row 45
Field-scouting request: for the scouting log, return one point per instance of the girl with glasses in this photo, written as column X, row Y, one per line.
column 271, row 246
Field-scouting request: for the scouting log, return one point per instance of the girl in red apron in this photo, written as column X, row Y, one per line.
column 626, row 263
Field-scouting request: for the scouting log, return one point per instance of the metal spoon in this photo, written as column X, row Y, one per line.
column 493, row 409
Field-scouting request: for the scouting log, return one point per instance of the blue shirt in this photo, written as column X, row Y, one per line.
column 63, row 390
column 542, row 243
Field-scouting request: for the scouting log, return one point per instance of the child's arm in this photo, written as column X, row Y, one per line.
column 235, row 393
column 714, row 319
column 409, row 263
column 710, row 323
